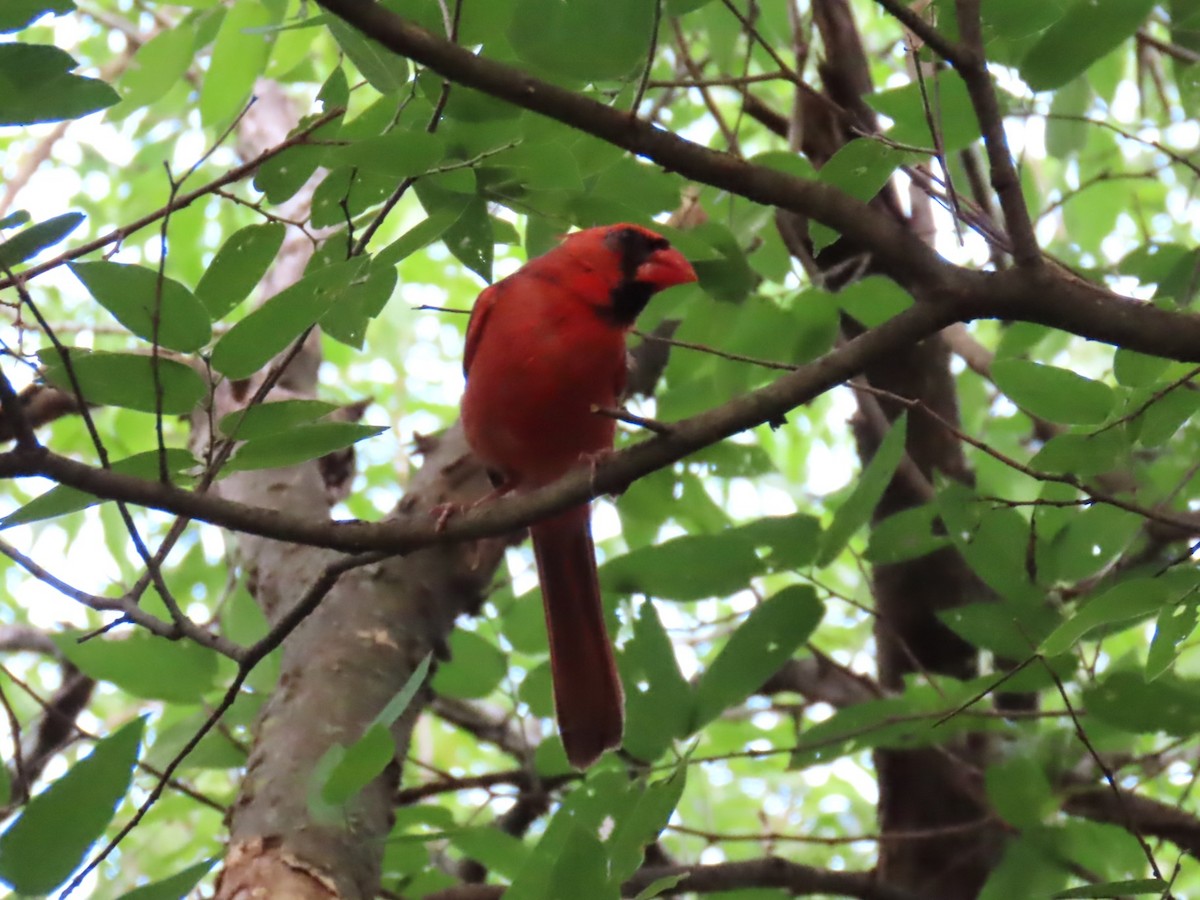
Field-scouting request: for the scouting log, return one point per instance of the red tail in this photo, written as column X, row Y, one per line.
column 587, row 691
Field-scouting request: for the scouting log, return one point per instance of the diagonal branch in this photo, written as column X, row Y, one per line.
column 972, row 66
column 181, row 202
column 767, row 404
column 907, row 259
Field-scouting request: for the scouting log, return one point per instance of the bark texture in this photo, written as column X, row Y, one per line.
column 348, row 659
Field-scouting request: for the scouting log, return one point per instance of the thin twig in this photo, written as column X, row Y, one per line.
column 718, row 81
column 880, row 837
column 685, row 55
column 183, row 624
column 251, row 658
column 748, row 25
column 233, row 175
column 1130, row 824
column 435, row 119
column 913, row 21
column 624, row 415
column 972, row 66
column 14, row 412
column 14, row 727
column 650, row 54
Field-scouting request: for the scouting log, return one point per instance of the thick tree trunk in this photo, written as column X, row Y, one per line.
column 939, row 790
column 348, row 659
column 936, row 788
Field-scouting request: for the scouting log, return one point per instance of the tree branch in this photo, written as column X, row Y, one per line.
column 770, row 871
column 615, row 473
column 904, row 257
column 972, row 66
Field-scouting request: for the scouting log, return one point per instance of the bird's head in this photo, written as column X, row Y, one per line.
column 632, row 262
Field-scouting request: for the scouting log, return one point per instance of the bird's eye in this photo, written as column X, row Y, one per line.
column 635, row 245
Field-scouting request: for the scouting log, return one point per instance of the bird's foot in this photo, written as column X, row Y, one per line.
column 444, row 512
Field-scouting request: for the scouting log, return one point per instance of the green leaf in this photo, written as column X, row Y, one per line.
column 157, row 67
column 239, row 56
column 299, row 444
column 136, row 664
column 176, row 887
column 1176, row 623
column 1091, row 539
column 537, row 692
column 1133, row 369
column 1129, row 600
column 18, row 14
column 1127, row 701
column 61, row 499
column 772, row 632
column 420, row 235
column 945, row 100
column 1079, row 38
column 1010, row 628
column 790, row 541
column 1083, row 454
column 498, row 851
column 641, row 825
column 131, row 293
column 679, row 8
column 874, row 300
column 386, row 71
column 994, row 541
column 470, row 239
column 660, row 885
column 399, row 154
column 357, row 764
column 1054, row 394
column 271, row 418
column 1134, row 886
column 251, row 343
column 342, row 772
column 1066, row 135
column 581, row 869
column 691, row 567
column 1026, row 870
column 281, row 176
column 1166, row 416
column 540, row 165
column 345, row 194
column 14, row 219
column 856, row 509
column 658, row 699
column 861, row 168
column 905, row 721
column 347, row 322
column 36, row 86
column 36, row 238
column 1020, row 792
column 905, row 535
column 238, row 266
column 476, row 667
column 127, row 380
column 215, row 751
column 585, row 41
column 48, row 840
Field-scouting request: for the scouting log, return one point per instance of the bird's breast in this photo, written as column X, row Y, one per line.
column 537, row 375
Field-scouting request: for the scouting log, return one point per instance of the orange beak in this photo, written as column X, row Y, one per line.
column 666, row 268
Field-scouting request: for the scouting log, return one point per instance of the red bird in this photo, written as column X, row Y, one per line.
column 545, row 349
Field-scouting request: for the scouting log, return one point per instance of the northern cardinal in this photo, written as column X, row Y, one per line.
column 545, row 349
